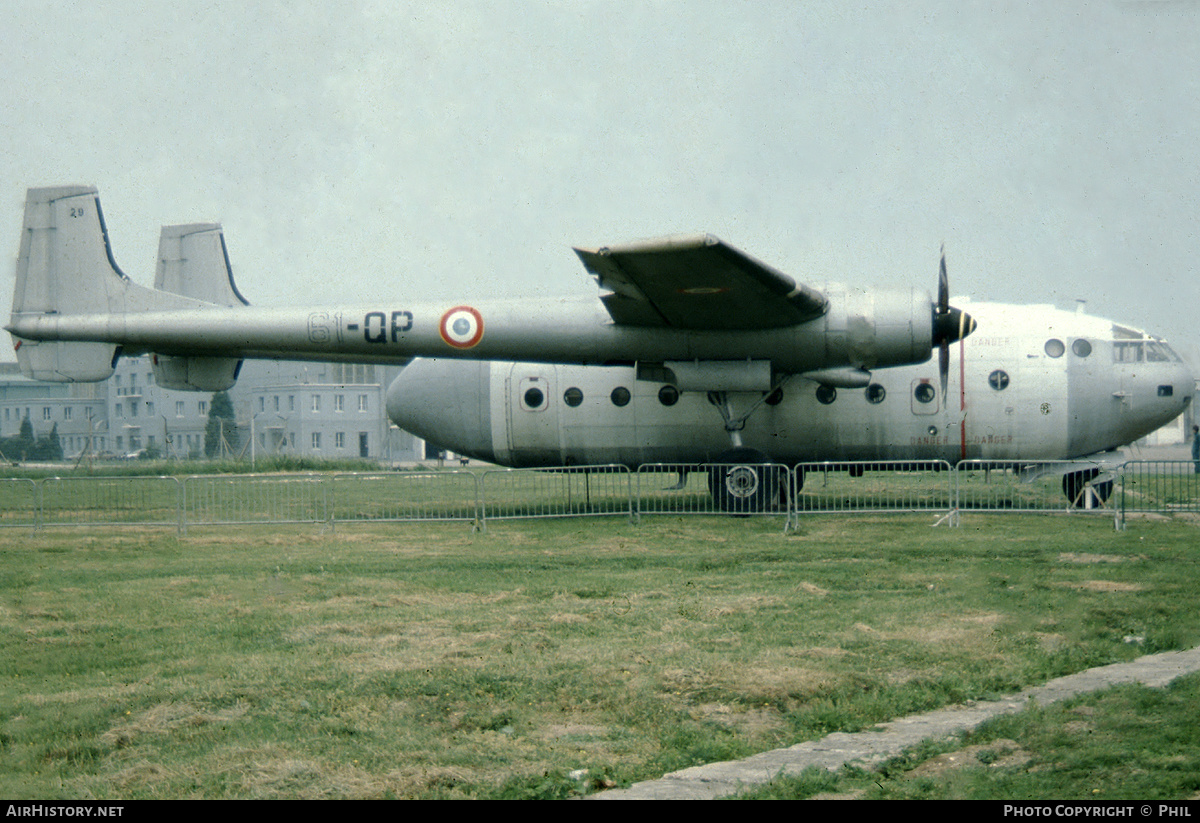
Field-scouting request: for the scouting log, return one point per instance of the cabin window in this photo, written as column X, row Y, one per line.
column 1081, row 347
column 620, row 396
column 668, row 395
column 534, row 398
column 826, row 394
column 924, row 393
column 573, row 397
column 1166, row 391
column 876, row 393
column 1055, row 347
column 998, row 380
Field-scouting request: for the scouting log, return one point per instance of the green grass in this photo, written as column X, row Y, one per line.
column 1126, row 743
column 543, row 658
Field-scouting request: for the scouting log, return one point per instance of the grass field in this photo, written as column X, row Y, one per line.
column 543, row 658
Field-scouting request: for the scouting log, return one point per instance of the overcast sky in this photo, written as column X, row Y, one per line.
column 358, row 150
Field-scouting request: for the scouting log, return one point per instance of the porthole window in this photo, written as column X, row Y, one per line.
column 1081, row 347
column 534, row 398
column 573, row 397
column 876, row 393
column 620, row 396
column 775, row 397
column 1055, row 347
column 924, row 393
column 826, row 394
column 668, row 395
column 998, row 380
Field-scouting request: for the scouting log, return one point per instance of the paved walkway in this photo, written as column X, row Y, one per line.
column 889, row 739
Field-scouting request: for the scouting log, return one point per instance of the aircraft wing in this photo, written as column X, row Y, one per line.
column 697, row 282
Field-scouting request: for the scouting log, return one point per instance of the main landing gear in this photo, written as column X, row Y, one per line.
column 1083, row 492
column 743, row 480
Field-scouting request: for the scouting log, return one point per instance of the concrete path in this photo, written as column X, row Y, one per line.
column 890, row 739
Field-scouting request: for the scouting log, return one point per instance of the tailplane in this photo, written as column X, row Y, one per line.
column 65, row 267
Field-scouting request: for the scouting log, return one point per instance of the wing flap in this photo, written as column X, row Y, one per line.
column 697, row 282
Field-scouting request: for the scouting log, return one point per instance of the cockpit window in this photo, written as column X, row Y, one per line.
column 1149, row 351
column 1055, row 347
column 1081, row 347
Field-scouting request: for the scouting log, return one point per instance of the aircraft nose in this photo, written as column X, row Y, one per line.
column 447, row 403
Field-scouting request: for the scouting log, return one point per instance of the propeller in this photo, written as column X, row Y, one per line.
column 949, row 324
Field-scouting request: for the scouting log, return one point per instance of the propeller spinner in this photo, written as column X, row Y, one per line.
column 949, row 324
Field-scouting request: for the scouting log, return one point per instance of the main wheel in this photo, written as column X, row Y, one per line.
column 1074, row 487
column 741, row 482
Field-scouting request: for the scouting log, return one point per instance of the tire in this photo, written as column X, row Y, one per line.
column 1073, row 487
column 741, row 483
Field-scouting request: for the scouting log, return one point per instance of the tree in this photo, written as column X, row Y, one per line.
column 220, row 425
column 48, row 447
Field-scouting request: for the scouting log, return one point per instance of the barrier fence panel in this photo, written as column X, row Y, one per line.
column 18, row 502
column 216, row 499
column 1042, row 486
column 1167, row 486
column 565, row 492
column 714, row 488
column 878, row 486
column 407, row 495
column 142, row 501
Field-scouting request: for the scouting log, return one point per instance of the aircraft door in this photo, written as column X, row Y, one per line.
column 532, row 411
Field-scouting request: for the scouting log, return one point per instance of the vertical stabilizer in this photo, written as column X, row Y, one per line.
column 65, row 267
column 194, row 262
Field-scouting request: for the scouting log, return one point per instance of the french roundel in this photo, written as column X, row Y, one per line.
column 461, row 327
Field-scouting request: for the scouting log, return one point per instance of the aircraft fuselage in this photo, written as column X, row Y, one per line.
column 1031, row 383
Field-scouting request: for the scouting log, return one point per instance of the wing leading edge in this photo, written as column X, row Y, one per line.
column 697, row 282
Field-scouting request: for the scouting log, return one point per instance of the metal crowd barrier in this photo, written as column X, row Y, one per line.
column 662, row 488
column 570, row 491
column 404, row 496
column 1165, row 486
column 131, row 501
column 228, row 499
column 20, row 503
column 876, row 486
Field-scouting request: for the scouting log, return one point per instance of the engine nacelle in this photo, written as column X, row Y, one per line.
column 207, row 374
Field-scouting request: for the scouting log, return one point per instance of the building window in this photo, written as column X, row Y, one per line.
column 276, row 399
column 339, row 402
column 316, row 440
column 262, row 404
column 66, row 413
column 179, row 408
column 45, row 412
column 339, row 440
column 316, row 404
column 362, row 402
column 202, row 407
column 291, row 402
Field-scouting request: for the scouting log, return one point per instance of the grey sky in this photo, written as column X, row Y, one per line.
column 384, row 150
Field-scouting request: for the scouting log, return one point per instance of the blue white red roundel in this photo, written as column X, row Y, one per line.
column 461, row 327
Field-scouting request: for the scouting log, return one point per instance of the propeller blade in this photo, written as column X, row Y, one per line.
column 943, row 304
column 944, row 365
